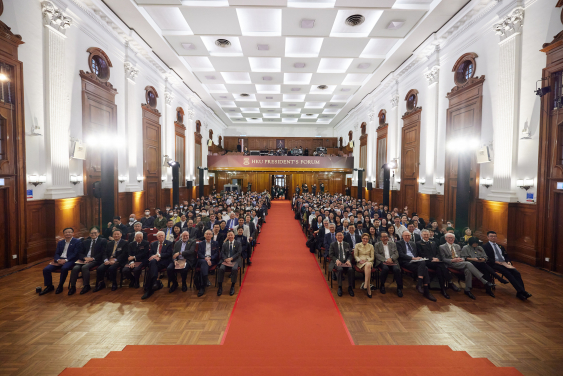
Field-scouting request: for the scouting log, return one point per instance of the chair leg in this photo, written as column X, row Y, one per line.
column 240, row 277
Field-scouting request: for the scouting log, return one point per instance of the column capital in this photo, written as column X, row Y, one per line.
column 510, row 24
column 371, row 116
column 130, row 71
column 190, row 113
column 168, row 97
column 394, row 100
column 54, row 17
column 432, row 75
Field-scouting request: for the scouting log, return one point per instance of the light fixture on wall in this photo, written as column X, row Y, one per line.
column 3, row 77
column 140, row 178
column 36, row 179
column 398, row 180
column 76, row 179
column 166, row 160
column 486, row 182
column 422, row 180
column 122, row 179
column 439, row 181
column 163, row 179
column 525, row 183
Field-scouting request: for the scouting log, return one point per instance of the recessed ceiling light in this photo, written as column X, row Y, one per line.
column 263, row 47
column 291, row 105
column 395, row 24
column 345, row 89
column 322, row 87
column 332, row 105
column 267, row 78
column 222, row 43
column 245, row 95
column 307, row 24
column 223, row 96
column 210, row 77
column 355, row 20
column 364, row 65
column 269, row 97
column 309, row 114
column 299, row 65
column 188, row 46
column 254, row 118
column 295, row 89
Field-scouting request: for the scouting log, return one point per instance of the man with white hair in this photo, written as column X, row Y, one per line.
column 184, row 254
column 138, row 252
column 159, row 258
column 451, row 256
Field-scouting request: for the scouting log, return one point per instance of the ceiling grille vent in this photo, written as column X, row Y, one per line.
column 225, row 43
column 355, row 20
column 322, row 87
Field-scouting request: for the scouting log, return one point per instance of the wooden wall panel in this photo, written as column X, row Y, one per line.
column 137, row 200
column 492, row 216
column 124, row 205
column 437, row 210
column 262, row 143
column 165, row 197
column 522, row 243
column 40, row 230
column 423, row 206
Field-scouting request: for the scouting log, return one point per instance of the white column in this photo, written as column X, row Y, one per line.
column 394, row 149
column 372, row 144
column 190, row 148
column 133, row 124
column 431, row 130
column 168, row 135
column 505, row 128
column 57, row 111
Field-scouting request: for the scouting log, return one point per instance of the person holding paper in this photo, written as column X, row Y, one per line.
column 138, row 254
column 208, row 254
column 115, row 255
column 159, row 258
column 183, row 259
column 341, row 259
column 429, row 250
column 65, row 256
column 387, row 256
column 499, row 261
column 89, row 257
column 475, row 254
column 230, row 256
column 409, row 259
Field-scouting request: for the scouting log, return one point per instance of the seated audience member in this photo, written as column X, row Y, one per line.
column 437, row 233
column 352, row 237
column 341, row 260
column 364, row 255
column 329, row 238
column 137, row 227
column 451, row 255
column 115, row 225
column 232, row 222
column 230, row 254
column 387, row 256
column 137, row 259
column 115, row 256
column 409, row 259
column 498, row 259
column 399, row 228
column 183, row 222
column 90, row 256
column 391, row 233
column 464, row 239
column 147, row 221
column 475, row 254
column 129, row 225
column 208, row 254
column 160, row 221
column 246, row 229
column 372, row 236
column 169, row 230
column 65, row 256
column 449, row 230
column 160, row 255
column 244, row 246
column 185, row 255
column 217, row 235
column 412, row 229
column 429, row 250
column 177, row 231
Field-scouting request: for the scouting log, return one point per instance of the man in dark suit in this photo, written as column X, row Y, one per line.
column 341, row 258
column 116, row 224
column 217, row 235
column 230, row 253
column 352, row 237
column 407, row 253
column 429, row 249
column 329, row 238
column 161, row 251
column 185, row 249
column 137, row 227
column 115, row 255
column 386, row 253
column 147, row 221
column 89, row 257
column 208, row 254
column 414, row 236
column 65, row 256
column 498, row 259
column 297, row 190
column 322, row 186
column 244, row 246
column 137, row 259
column 250, row 239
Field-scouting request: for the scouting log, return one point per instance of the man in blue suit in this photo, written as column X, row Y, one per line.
column 330, row 238
column 160, row 257
column 208, row 254
column 65, row 256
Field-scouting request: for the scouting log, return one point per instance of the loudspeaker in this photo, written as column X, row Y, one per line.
column 209, row 143
column 189, row 184
column 369, row 186
column 97, row 188
column 483, row 155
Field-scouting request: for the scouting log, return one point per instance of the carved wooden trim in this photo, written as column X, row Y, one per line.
column 411, row 105
column 471, row 84
column 179, row 116
column 6, row 32
column 198, row 127
column 363, row 128
column 92, row 78
column 211, row 134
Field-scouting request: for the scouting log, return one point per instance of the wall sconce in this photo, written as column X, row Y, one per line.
column 525, row 183
column 36, row 180
column 486, row 182
column 122, row 179
column 74, row 179
column 163, row 179
column 140, row 178
column 439, row 181
column 422, row 180
column 398, row 180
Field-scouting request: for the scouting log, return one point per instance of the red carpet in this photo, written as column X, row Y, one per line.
column 285, row 322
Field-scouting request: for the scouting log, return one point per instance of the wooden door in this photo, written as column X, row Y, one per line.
column 4, row 229
column 151, row 157
column 558, row 224
column 410, row 160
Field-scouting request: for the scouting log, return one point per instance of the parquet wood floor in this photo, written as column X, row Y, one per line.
column 525, row 335
column 41, row 335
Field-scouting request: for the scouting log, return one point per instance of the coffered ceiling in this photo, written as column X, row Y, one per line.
column 284, row 61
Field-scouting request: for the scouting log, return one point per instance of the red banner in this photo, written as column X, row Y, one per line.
column 274, row 162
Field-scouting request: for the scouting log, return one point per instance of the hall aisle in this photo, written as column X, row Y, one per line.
column 285, row 322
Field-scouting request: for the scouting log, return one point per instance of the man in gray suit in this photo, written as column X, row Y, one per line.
column 230, row 252
column 387, row 256
column 185, row 249
column 450, row 254
column 341, row 258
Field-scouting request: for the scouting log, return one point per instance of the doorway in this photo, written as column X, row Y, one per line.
column 279, row 181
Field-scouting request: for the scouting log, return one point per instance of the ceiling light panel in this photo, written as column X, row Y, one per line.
column 270, row 104
column 297, row 78
column 234, row 114
column 343, row 47
column 266, row 78
column 260, row 21
column 222, row 96
column 168, row 18
column 341, row 29
column 303, row 47
column 234, row 49
column 236, row 77
column 291, row 110
column 268, row 89
column 292, row 20
column 315, row 104
column 227, row 104
column 254, row 120
column 327, row 78
column 197, row 47
column 209, row 77
column 289, row 120
column 367, row 3
column 378, row 47
column 334, row 65
column 241, row 89
column 265, row 64
column 199, row 63
column 355, row 79
column 295, row 89
column 314, row 89
column 275, row 45
column 291, row 64
column 250, row 110
column 311, row 3
column 389, row 24
column 216, row 88
column 309, row 116
column 340, row 98
column 271, row 115
column 318, row 97
column 216, row 21
column 294, row 97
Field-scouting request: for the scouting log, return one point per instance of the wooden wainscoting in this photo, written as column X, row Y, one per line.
column 437, row 210
column 492, row 216
column 137, row 201
column 423, row 206
column 522, row 235
column 124, row 205
column 40, row 229
column 165, row 197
